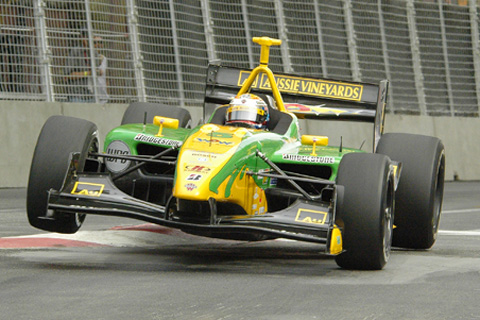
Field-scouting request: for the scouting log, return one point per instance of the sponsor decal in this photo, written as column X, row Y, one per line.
column 311, row 216
column 307, row 86
column 318, row 110
column 157, row 140
column 117, row 147
column 273, row 181
column 214, row 141
column 194, row 177
column 190, row 186
column 88, row 189
column 223, row 135
column 195, row 168
column 311, row 159
column 204, row 156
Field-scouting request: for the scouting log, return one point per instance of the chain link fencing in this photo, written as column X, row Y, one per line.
column 119, row 51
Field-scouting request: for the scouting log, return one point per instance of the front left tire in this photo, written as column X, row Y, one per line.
column 420, row 190
column 366, row 212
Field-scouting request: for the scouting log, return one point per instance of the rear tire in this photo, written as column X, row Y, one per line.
column 135, row 113
column 366, row 212
column 59, row 137
column 419, row 195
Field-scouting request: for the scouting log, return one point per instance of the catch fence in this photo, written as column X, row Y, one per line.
column 158, row 50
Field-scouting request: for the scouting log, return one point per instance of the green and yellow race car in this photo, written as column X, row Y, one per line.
column 247, row 173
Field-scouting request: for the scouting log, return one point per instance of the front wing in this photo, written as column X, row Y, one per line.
column 96, row 193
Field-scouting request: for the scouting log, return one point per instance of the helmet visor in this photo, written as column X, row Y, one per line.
column 243, row 113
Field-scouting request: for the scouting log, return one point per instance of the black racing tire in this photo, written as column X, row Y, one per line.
column 366, row 212
column 419, row 195
column 59, row 137
column 135, row 113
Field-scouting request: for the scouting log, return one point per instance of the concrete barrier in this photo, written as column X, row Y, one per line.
column 22, row 121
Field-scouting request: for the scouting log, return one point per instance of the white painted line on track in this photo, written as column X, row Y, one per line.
column 473, row 233
column 13, row 210
column 461, row 210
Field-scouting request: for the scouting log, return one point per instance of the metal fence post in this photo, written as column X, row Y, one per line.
column 475, row 47
column 137, row 56
column 415, row 49
column 209, row 38
column 352, row 45
column 386, row 61
column 282, row 33
column 445, row 59
column 320, row 39
column 247, row 33
column 93, row 60
column 178, row 66
column 44, row 53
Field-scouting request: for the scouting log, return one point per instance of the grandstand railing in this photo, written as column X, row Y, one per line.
column 158, row 50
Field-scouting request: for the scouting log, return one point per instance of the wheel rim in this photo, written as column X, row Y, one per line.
column 387, row 219
column 438, row 194
column 170, row 208
column 92, row 148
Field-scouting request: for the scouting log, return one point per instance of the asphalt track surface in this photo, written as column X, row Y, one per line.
column 124, row 269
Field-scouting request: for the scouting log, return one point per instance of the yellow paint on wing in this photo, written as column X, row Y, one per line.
column 336, row 241
column 202, row 157
column 244, row 192
column 88, row 189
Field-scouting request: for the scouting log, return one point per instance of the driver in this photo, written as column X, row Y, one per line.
column 249, row 111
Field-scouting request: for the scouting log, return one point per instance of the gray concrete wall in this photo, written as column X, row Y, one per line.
column 22, row 121
column 459, row 135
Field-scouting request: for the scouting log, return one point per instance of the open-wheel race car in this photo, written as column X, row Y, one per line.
column 247, row 173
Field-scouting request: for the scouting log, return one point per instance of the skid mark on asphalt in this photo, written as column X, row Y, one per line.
column 150, row 228
column 145, row 235
column 42, row 242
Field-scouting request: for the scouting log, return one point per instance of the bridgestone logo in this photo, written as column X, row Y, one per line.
column 166, row 142
column 312, row 159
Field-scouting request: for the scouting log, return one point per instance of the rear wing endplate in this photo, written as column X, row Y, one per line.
column 306, row 97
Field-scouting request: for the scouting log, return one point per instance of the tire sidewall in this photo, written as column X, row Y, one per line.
column 135, row 113
column 366, row 179
column 419, row 194
column 59, row 137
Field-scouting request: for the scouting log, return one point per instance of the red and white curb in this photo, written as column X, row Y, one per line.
column 145, row 235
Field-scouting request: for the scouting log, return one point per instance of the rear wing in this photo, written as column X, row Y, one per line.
column 306, row 97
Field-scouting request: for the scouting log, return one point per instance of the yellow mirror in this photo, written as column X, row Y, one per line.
column 314, row 140
column 318, row 140
column 165, row 122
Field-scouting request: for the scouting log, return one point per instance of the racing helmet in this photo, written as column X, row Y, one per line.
column 247, row 110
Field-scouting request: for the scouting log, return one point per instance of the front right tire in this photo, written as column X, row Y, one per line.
column 59, row 137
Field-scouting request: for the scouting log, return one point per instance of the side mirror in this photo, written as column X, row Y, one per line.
column 314, row 140
column 164, row 122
